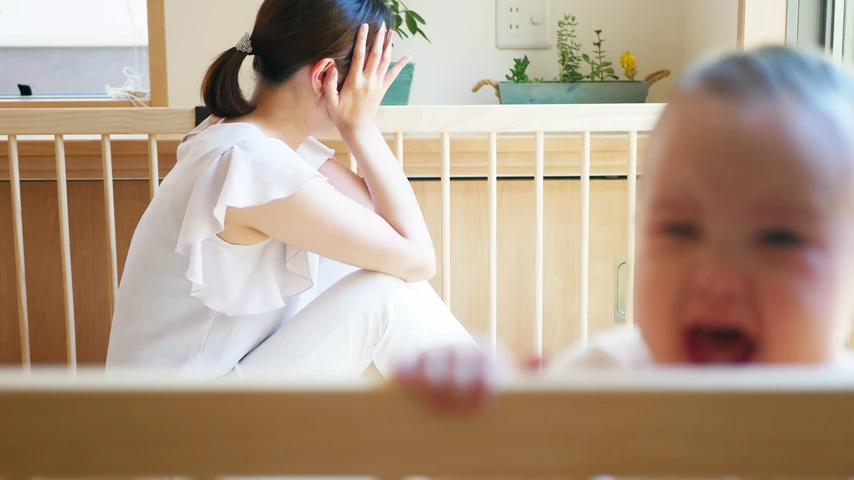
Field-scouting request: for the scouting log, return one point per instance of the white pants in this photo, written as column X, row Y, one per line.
column 363, row 318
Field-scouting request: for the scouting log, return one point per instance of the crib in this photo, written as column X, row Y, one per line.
column 532, row 212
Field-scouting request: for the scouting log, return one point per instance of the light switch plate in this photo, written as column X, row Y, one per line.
column 523, row 24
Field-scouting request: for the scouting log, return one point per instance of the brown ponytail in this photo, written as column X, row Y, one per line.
column 221, row 87
column 288, row 35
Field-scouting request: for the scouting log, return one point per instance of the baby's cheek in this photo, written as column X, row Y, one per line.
column 656, row 307
column 798, row 315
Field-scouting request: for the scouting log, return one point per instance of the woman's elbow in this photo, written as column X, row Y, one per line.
column 421, row 267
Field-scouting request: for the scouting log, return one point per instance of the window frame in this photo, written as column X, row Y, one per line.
column 156, row 68
column 828, row 28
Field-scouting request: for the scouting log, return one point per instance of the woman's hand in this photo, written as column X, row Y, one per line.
column 366, row 84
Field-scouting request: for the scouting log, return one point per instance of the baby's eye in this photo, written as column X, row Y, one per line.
column 682, row 230
column 781, row 237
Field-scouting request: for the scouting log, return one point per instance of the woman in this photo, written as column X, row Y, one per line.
column 224, row 272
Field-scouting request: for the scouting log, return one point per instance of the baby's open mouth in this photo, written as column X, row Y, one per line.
column 719, row 345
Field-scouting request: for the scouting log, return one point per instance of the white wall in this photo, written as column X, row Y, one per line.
column 73, row 23
column 764, row 23
column 463, row 49
column 712, row 28
column 196, row 32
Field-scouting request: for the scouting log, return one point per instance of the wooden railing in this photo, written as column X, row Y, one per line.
column 676, row 424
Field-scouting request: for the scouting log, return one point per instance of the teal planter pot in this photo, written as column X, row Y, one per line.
column 573, row 93
column 398, row 93
column 556, row 93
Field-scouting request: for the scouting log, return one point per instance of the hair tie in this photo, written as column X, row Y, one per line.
column 245, row 44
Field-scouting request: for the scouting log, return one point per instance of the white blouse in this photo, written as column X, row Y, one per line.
column 189, row 301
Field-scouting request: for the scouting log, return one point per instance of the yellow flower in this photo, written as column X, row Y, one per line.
column 627, row 61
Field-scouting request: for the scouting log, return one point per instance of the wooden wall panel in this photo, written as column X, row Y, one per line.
column 562, row 219
column 10, row 352
column 470, row 233
column 89, row 263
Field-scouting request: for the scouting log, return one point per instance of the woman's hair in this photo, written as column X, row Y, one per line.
column 776, row 73
column 288, row 35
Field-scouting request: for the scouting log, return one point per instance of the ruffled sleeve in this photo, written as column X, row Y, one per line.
column 244, row 280
column 315, row 153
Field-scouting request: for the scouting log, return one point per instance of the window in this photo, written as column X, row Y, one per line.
column 824, row 25
column 848, row 36
column 62, row 49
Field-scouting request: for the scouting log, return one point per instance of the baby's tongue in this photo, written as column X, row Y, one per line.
column 710, row 345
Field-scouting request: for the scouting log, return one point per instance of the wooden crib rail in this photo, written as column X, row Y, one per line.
column 96, row 121
column 793, row 423
column 410, row 120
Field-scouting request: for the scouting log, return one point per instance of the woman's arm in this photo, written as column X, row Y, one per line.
column 392, row 237
column 347, row 182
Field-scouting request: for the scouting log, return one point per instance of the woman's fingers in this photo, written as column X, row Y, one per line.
column 330, row 87
column 374, row 58
column 395, row 71
column 358, row 62
column 386, row 59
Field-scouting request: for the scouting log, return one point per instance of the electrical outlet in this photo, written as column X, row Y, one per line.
column 522, row 24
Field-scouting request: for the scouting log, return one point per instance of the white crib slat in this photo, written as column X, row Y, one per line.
column 585, row 237
column 153, row 164
column 538, row 241
column 493, row 240
column 630, row 240
column 65, row 246
column 446, row 219
column 353, row 165
column 110, row 216
column 398, row 147
column 20, row 264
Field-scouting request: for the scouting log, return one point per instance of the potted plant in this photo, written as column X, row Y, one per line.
column 407, row 23
column 582, row 78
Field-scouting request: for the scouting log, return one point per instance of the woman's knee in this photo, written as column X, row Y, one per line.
column 365, row 287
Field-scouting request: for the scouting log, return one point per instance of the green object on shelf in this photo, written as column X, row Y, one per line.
column 398, row 93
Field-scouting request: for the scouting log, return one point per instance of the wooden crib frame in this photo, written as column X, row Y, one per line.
column 753, row 423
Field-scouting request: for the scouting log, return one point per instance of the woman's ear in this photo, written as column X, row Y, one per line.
column 318, row 74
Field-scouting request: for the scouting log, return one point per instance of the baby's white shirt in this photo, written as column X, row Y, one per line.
column 624, row 348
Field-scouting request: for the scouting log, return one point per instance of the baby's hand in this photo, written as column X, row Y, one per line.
column 455, row 380
column 451, row 379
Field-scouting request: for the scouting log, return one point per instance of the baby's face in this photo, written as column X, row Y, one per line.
column 745, row 243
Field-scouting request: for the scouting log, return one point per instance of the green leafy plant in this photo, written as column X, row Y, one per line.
column 568, row 50
column 599, row 68
column 570, row 58
column 406, row 22
column 519, row 72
